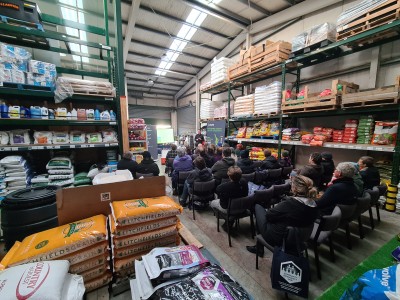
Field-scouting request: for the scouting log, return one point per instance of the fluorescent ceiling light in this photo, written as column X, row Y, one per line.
column 163, row 126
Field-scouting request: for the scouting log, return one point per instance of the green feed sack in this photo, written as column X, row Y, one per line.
column 39, row 184
column 59, row 163
column 82, row 179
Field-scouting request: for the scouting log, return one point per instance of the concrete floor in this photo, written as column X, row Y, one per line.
column 241, row 264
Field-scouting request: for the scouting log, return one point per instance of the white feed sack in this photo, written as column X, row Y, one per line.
column 207, row 108
column 267, row 98
column 219, row 69
column 244, row 106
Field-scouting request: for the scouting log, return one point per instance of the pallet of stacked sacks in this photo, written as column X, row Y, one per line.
column 244, row 106
column 15, row 174
column 267, row 99
column 138, row 226
column 207, row 108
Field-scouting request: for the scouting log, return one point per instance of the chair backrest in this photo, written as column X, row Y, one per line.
column 201, row 187
column 347, row 211
column 257, row 164
column 239, row 204
column 260, row 176
column 249, row 177
column 281, row 189
column 138, row 175
column 225, row 180
column 286, row 171
column 170, row 162
column 332, row 221
column 264, row 197
column 382, row 189
column 300, row 235
column 375, row 194
column 363, row 204
column 274, row 174
column 182, row 175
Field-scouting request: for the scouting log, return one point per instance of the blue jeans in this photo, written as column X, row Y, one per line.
column 185, row 192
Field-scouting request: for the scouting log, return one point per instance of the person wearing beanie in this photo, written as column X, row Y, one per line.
column 245, row 163
column 148, row 165
column 328, row 168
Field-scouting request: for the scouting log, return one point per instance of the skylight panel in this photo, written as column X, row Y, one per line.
column 200, row 19
column 184, row 31
column 168, row 66
column 181, row 46
column 193, row 16
column 162, row 65
column 190, row 34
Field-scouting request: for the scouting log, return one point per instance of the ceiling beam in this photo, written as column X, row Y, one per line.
column 164, row 70
column 176, row 37
column 167, row 49
column 136, row 87
column 133, row 82
column 172, row 18
column 256, row 7
column 152, row 75
column 219, row 12
column 151, row 93
column 156, row 82
column 145, row 56
column 133, row 16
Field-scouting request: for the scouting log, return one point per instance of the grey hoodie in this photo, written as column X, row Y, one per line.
column 220, row 168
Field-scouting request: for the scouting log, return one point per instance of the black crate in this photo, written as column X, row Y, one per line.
column 25, row 11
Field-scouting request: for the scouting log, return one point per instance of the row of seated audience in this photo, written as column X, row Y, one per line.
column 146, row 166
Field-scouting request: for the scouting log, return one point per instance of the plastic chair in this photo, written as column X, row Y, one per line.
column 363, row 205
column 374, row 193
column 264, row 197
column 138, row 175
column 238, row 208
column 182, row 175
column 169, row 166
column 347, row 214
column 274, row 176
column 286, row 172
column 323, row 231
column 249, row 177
column 202, row 192
column 257, row 164
column 279, row 191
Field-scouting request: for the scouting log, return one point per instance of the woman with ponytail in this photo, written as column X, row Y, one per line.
column 299, row 210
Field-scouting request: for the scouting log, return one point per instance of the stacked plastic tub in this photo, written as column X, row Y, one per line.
column 219, row 69
column 267, row 98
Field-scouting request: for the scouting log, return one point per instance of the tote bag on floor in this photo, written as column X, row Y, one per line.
column 290, row 273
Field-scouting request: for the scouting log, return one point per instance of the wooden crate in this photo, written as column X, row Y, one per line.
column 269, row 54
column 381, row 15
column 373, row 97
column 239, row 69
column 313, row 102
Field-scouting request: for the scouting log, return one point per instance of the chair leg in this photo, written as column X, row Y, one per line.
column 348, row 236
column 378, row 215
column 252, row 226
column 229, row 232
column 316, row 254
column 194, row 214
column 331, row 250
column 218, row 221
column 360, row 228
column 258, row 247
column 371, row 218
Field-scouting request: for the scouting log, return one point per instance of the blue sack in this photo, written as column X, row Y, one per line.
column 254, row 187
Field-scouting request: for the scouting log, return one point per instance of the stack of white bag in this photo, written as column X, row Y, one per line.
column 222, row 111
column 219, row 69
column 48, row 280
column 244, row 106
column 61, row 171
column 17, row 174
column 207, row 108
column 267, row 98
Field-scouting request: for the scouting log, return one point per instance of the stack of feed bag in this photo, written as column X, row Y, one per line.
column 138, row 226
column 222, row 111
column 350, row 131
column 267, row 98
column 61, row 171
column 219, row 69
column 16, row 174
column 365, row 129
column 207, row 108
column 48, row 280
column 244, row 106
column 83, row 243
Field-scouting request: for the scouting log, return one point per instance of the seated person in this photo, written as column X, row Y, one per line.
column 235, row 188
column 270, row 162
column 285, row 161
column 200, row 173
column 238, row 150
column 147, row 165
column 328, row 167
column 342, row 191
column 171, row 154
column 369, row 173
column 245, row 163
column 299, row 210
column 126, row 163
column 220, row 168
column 314, row 169
column 211, row 153
column 218, row 154
column 182, row 162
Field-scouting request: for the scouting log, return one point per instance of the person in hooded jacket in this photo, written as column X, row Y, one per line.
column 220, row 168
column 328, row 167
column 245, row 163
column 182, row 162
column 200, row 173
column 313, row 170
column 270, row 161
column 299, row 210
column 369, row 173
column 126, row 163
column 147, row 165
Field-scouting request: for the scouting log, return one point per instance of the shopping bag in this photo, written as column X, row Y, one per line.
column 290, row 273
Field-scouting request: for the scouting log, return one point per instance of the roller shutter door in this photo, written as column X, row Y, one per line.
column 151, row 115
column 186, row 118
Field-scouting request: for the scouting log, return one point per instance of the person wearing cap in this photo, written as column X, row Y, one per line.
column 245, row 163
column 148, row 165
column 328, row 167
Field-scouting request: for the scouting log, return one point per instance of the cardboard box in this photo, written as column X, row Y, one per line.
column 83, row 202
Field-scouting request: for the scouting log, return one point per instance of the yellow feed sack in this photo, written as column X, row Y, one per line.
column 98, row 282
column 89, row 253
column 130, row 212
column 93, row 273
column 127, row 262
column 125, row 272
column 57, row 242
column 100, row 260
column 120, row 231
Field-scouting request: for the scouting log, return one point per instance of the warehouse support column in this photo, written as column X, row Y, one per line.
column 174, row 117
column 197, row 103
column 374, row 67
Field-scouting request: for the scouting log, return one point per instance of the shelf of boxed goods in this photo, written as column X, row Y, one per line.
column 57, row 146
column 55, row 122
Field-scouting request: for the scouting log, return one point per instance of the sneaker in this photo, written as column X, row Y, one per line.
column 253, row 249
column 183, row 203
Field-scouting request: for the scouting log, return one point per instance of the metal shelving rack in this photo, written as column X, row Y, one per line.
column 314, row 57
column 36, row 39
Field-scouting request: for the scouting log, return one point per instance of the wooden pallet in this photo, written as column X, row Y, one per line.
column 310, row 48
column 92, row 90
column 381, row 15
column 239, row 69
column 373, row 97
column 267, row 115
column 272, row 54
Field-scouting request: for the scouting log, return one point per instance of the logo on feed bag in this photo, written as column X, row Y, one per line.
column 32, row 280
column 41, row 244
column 136, row 204
column 76, row 227
column 291, row 272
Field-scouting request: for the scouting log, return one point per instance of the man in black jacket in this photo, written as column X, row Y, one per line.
column 148, row 165
column 245, row 163
column 126, row 163
column 220, row 168
column 313, row 170
column 369, row 173
column 342, row 191
column 199, row 138
column 270, row 162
